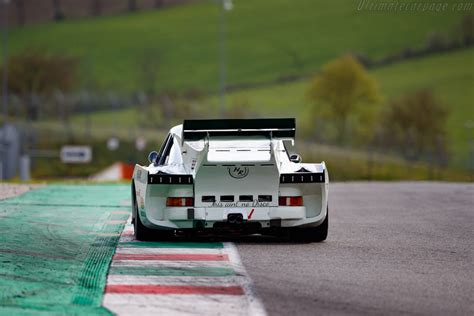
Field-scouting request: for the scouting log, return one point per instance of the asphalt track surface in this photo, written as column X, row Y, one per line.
column 393, row 248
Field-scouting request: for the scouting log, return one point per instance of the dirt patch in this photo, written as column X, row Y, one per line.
column 8, row 190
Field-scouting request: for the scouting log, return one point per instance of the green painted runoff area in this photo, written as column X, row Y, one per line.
column 56, row 244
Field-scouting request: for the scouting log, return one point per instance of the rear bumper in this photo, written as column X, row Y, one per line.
column 266, row 217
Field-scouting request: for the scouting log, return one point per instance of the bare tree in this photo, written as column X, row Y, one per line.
column 467, row 29
column 34, row 75
column 148, row 67
column 96, row 7
column 57, row 12
column 132, row 5
column 20, row 11
column 416, row 125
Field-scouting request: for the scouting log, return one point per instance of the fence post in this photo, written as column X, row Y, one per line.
column 25, row 165
column 370, row 162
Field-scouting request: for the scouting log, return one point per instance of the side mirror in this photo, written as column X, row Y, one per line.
column 295, row 158
column 152, row 157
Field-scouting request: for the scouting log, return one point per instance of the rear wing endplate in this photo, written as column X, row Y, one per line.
column 281, row 128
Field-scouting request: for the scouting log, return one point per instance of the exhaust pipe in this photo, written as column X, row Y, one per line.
column 239, row 220
column 236, row 219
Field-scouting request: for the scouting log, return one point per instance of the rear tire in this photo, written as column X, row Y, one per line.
column 311, row 234
column 144, row 233
column 141, row 232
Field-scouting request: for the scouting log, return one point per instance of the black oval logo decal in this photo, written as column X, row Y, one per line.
column 238, row 172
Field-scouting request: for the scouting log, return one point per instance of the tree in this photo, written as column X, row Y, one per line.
column 132, row 5
column 20, row 12
column 32, row 74
column 344, row 89
column 467, row 29
column 96, row 7
column 58, row 14
column 415, row 124
column 148, row 68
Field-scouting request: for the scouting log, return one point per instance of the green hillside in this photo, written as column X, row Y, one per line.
column 267, row 40
column 449, row 75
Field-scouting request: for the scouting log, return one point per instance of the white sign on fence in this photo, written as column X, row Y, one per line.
column 76, row 154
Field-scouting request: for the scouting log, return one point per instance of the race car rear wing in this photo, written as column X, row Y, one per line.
column 280, row 128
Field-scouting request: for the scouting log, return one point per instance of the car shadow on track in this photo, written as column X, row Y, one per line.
column 240, row 239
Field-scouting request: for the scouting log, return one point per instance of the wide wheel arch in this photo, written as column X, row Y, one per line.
column 311, row 234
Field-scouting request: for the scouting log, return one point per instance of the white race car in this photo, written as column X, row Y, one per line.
column 230, row 176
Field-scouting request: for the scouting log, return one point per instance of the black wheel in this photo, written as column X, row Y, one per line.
column 312, row 234
column 144, row 233
column 141, row 231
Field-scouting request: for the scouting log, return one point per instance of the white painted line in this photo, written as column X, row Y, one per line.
column 124, row 238
column 127, row 304
column 179, row 280
column 163, row 264
column 140, row 250
column 128, row 226
column 128, row 230
column 255, row 305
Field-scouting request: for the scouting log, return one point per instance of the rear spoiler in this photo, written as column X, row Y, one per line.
column 282, row 128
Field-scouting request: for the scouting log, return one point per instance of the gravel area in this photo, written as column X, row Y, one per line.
column 8, row 190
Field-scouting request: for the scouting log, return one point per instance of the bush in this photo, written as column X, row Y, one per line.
column 416, row 126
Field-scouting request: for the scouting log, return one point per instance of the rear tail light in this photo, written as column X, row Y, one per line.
column 180, row 201
column 290, row 201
